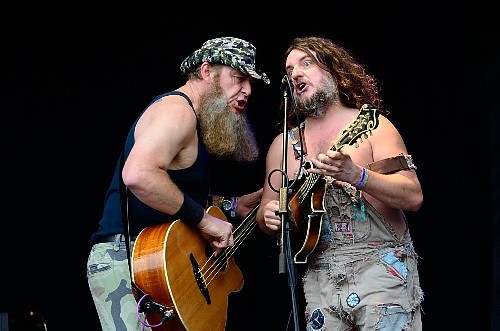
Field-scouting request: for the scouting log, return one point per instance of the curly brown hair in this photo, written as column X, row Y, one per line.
column 356, row 87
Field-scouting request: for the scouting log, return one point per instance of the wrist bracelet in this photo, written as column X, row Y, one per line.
column 190, row 212
column 234, row 205
column 362, row 180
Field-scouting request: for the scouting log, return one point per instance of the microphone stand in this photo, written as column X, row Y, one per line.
column 286, row 263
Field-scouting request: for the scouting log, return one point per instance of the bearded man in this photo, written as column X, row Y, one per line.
column 164, row 168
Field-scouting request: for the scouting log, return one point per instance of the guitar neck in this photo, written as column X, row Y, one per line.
column 246, row 225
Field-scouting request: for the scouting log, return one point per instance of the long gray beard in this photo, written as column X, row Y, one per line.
column 317, row 105
column 225, row 133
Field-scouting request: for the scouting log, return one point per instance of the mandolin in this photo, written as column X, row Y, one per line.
column 306, row 206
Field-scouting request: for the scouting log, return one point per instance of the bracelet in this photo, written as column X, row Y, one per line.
column 190, row 212
column 234, row 205
column 362, row 180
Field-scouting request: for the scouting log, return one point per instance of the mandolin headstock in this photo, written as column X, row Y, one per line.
column 365, row 122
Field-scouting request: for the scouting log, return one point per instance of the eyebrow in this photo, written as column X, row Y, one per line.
column 300, row 60
column 237, row 71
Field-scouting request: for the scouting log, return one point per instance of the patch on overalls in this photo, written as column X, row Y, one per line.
column 342, row 226
column 394, row 265
column 353, row 300
column 317, row 320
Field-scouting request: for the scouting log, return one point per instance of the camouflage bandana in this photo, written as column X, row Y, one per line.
column 230, row 51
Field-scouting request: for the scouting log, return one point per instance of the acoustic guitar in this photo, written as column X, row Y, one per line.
column 306, row 206
column 173, row 264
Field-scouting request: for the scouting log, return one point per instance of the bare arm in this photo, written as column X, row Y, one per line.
column 247, row 202
column 165, row 138
column 267, row 218
column 400, row 190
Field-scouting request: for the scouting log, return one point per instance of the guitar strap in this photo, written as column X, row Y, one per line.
column 392, row 164
column 124, row 206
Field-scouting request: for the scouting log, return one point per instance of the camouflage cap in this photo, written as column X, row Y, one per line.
column 230, row 51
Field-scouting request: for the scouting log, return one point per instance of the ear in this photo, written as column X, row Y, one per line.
column 205, row 71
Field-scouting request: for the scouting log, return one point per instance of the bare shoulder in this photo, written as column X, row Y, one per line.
column 275, row 147
column 172, row 106
column 277, row 144
column 386, row 127
column 386, row 140
column 171, row 112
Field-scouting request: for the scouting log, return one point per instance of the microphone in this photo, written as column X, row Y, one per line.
column 285, row 84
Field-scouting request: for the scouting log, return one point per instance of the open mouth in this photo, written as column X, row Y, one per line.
column 240, row 105
column 301, row 87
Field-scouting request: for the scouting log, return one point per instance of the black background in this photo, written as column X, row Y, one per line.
column 72, row 88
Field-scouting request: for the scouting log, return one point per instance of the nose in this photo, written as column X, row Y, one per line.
column 295, row 72
column 247, row 89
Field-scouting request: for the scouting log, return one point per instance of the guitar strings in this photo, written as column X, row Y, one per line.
column 223, row 258
column 240, row 234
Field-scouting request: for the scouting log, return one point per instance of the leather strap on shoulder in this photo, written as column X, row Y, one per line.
column 392, row 164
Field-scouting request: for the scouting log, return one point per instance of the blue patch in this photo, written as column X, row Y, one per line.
column 353, row 300
column 326, row 232
column 317, row 320
column 392, row 260
column 392, row 317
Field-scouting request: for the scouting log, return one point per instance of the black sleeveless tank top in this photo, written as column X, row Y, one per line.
column 193, row 181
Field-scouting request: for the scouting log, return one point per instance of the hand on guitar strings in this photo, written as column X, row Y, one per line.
column 337, row 165
column 217, row 232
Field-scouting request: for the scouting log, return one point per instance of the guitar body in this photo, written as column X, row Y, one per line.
column 173, row 264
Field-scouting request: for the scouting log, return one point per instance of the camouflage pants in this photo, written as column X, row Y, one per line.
column 110, row 285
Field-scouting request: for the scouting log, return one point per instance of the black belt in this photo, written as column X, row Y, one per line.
column 111, row 239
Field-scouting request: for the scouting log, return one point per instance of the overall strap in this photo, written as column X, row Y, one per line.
column 295, row 136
